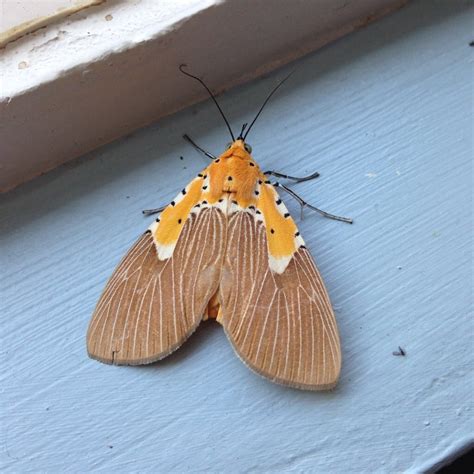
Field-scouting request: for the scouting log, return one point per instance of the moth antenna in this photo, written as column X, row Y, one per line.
column 211, row 94
column 266, row 100
column 244, row 126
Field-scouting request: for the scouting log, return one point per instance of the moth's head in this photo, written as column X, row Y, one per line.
column 238, row 148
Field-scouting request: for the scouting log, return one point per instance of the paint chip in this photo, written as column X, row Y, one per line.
column 109, row 17
column 23, row 65
column 400, row 352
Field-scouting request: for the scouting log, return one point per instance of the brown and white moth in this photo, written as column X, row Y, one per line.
column 225, row 248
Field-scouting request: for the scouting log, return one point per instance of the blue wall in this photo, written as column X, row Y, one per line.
column 385, row 115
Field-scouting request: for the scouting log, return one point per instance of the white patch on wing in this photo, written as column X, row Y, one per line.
column 259, row 216
column 205, row 205
column 196, row 209
column 153, row 226
column 282, row 208
column 299, row 241
column 234, row 207
column 164, row 251
column 222, row 206
column 278, row 265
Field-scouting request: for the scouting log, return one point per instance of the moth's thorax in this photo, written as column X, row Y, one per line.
column 236, row 173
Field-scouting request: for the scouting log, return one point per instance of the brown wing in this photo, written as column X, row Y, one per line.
column 281, row 325
column 150, row 306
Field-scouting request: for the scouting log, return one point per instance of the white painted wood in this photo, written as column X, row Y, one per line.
column 17, row 14
column 101, row 73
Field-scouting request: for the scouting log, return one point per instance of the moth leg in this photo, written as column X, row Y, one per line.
column 293, row 178
column 189, row 140
column 304, row 204
column 149, row 212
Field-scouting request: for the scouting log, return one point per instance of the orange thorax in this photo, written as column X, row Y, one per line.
column 234, row 172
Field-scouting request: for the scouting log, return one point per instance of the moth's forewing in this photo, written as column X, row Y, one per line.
column 150, row 306
column 281, row 324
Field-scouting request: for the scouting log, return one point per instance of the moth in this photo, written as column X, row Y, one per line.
column 227, row 249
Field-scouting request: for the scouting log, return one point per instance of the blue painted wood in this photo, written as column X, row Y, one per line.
column 385, row 116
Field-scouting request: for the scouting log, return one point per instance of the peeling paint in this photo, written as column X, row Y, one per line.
column 29, row 27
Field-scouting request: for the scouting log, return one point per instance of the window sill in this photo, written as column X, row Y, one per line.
column 95, row 75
